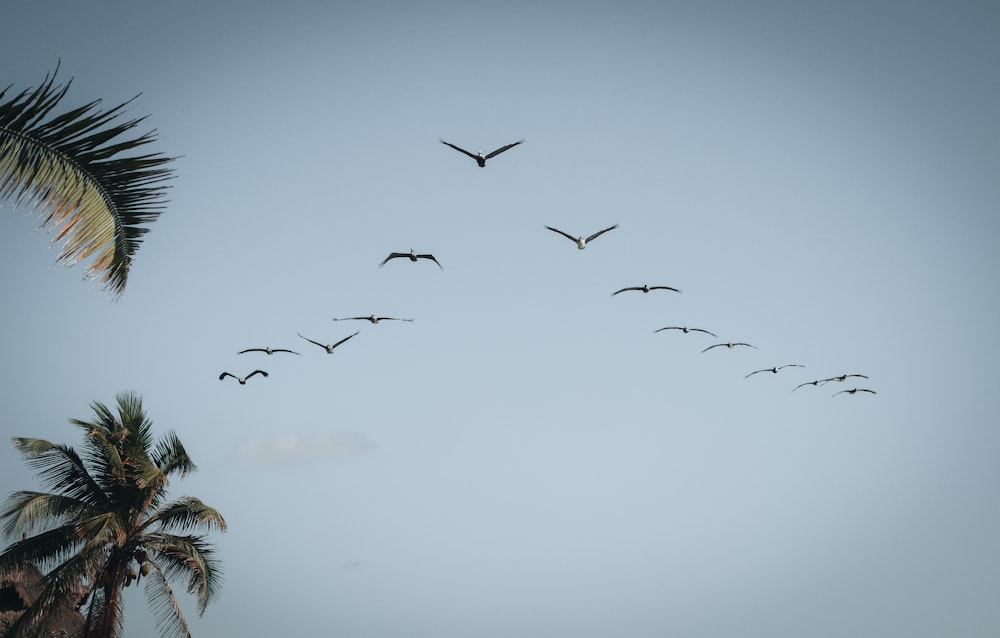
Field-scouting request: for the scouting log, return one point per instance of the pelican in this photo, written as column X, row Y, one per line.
column 268, row 350
column 685, row 330
column 730, row 345
column 843, row 377
column 328, row 347
column 412, row 256
column 371, row 318
column 242, row 380
column 480, row 157
column 644, row 288
column 855, row 391
column 581, row 243
column 816, row 382
column 774, row 369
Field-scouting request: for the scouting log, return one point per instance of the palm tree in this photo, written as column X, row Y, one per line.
column 69, row 168
column 107, row 524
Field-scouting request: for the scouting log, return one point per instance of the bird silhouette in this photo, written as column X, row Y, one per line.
column 412, row 256
column 581, row 242
column 644, row 288
column 774, row 369
column 328, row 347
column 685, row 330
column 480, row 157
column 855, row 391
column 371, row 318
column 242, row 380
column 267, row 350
column 816, row 382
column 843, row 377
column 730, row 345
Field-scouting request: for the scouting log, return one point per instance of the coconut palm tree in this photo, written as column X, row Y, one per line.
column 107, row 524
column 69, row 168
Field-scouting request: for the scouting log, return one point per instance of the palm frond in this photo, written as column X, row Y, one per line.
column 166, row 610
column 69, row 168
column 25, row 511
column 190, row 557
column 61, row 468
column 187, row 513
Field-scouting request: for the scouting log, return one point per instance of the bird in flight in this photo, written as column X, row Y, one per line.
column 644, row 288
column 855, row 391
column 730, row 345
column 581, row 243
column 816, row 382
column 685, row 330
column 242, row 380
column 328, row 347
column 480, row 157
column 412, row 256
column 267, row 350
column 371, row 318
column 843, row 377
column 774, row 369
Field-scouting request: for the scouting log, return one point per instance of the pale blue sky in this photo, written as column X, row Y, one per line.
column 528, row 458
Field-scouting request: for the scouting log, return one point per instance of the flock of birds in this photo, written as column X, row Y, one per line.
column 581, row 243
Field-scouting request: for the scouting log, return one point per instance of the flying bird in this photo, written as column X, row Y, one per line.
column 371, row 318
column 730, row 345
column 328, row 347
column 267, row 350
column 644, row 288
column 242, row 380
column 480, row 157
column 685, row 330
column 855, row 391
column 843, row 377
column 412, row 256
column 581, row 243
column 816, row 382
column 774, row 369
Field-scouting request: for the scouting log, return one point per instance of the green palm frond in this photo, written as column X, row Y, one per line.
column 167, row 611
column 69, row 168
column 187, row 513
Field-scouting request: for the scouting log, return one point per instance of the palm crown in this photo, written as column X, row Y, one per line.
column 107, row 516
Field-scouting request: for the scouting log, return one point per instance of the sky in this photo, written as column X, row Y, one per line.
column 528, row 456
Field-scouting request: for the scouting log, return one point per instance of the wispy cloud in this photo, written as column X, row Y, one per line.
column 299, row 448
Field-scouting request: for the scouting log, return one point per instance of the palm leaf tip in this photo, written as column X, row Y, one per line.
column 74, row 170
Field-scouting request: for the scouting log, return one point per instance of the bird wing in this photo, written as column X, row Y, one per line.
column 664, row 288
column 756, row 371
column 856, row 375
column 251, row 350
column 563, row 233
column 343, row 340
column 740, row 343
column 502, row 149
column 392, row 256
column 667, row 328
column 431, row 257
column 350, row 319
column 601, row 232
column 715, row 346
column 227, row 374
column 705, row 331
column 629, row 288
column 460, row 150
column 256, row 372
column 311, row 341
column 283, row 350
column 806, row 383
